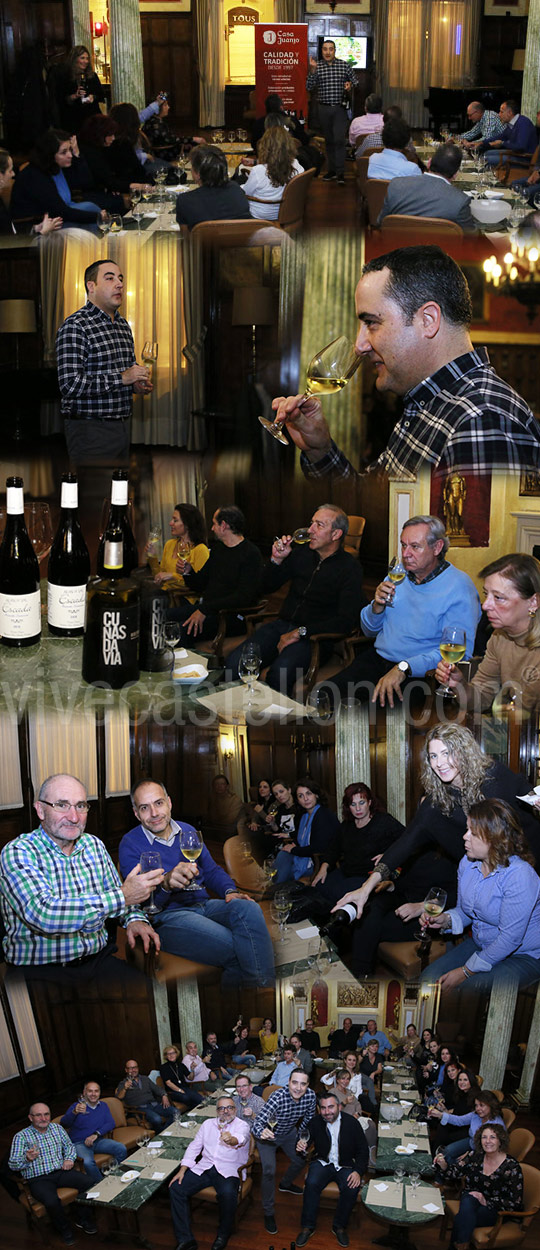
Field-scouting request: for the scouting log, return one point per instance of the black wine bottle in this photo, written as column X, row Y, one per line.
column 20, row 607
column 345, row 915
column 111, row 636
column 118, row 519
column 69, row 568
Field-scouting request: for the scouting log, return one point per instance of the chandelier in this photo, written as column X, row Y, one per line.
column 518, row 276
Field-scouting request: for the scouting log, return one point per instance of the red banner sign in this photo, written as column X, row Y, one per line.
column 281, row 64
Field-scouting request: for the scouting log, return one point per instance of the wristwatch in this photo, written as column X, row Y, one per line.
column 302, row 631
column 404, row 668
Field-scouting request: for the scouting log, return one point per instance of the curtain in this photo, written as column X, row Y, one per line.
column 118, row 769
column 26, row 1028
column 211, row 61
column 155, row 304
column 63, row 744
column 288, row 11
column 422, row 44
column 10, row 767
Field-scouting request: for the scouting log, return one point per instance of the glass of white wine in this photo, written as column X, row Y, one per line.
column 249, row 667
column 149, row 356
column 116, row 223
column 149, row 861
column 191, row 845
column 103, row 222
column 328, row 372
column 434, row 905
column 396, row 574
column 452, row 648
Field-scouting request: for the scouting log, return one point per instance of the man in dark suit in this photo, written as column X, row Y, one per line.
column 341, row 1154
column 432, row 195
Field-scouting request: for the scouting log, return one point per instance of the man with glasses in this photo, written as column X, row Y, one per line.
column 44, row 1156
column 140, row 1093
column 59, row 888
column 216, row 1157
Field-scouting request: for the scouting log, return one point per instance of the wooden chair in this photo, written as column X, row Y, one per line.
column 269, row 1089
column 354, row 537
column 375, row 193
column 247, row 873
column 231, row 233
column 520, row 1142
column 508, row 1116
column 407, row 224
column 293, row 202
column 36, row 1215
column 222, row 645
column 403, row 957
column 504, row 1235
column 517, row 164
column 124, row 1132
column 245, row 1194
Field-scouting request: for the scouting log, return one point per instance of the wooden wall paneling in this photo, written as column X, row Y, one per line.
column 169, row 64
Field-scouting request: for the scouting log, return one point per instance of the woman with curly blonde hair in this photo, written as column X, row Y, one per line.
column 456, row 774
column 276, row 166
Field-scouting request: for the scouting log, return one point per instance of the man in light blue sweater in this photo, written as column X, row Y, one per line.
column 406, row 620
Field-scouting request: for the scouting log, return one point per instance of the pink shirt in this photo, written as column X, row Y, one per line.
column 366, row 124
column 201, row 1073
column 228, row 1160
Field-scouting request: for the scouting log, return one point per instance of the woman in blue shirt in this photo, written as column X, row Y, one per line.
column 499, row 896
column 315, row 829
column 487, row 1110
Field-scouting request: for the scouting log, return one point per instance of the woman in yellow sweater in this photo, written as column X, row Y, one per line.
column 268, row 1037
column 187, row 542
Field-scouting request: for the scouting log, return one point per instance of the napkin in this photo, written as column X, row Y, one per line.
column 405, row 1150
column 430, row 1206
column 158, row 1176
column 381, row 1187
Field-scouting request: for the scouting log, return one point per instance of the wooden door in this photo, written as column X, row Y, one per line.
column 169, row 64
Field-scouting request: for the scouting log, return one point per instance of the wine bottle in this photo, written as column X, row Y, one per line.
column 118, row 519
column 111, row 637
column 20, row 607
column 69, row 568
column 154, row 654
column 345, row 915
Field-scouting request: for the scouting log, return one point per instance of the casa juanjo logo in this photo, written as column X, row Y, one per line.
column 113, row 634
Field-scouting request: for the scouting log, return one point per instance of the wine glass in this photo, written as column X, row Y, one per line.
column 135, row 195
column 318, row 705
column 154, row 545
column 116, row 223
column 37, row 517
column 452, row 648
column 191, row 845
column 327, row 372
column 434, row 905
column 396, row 574
column 150, row 355
column 104, row 222
column 270, row 868
column 149, row 861
column 138, row 213
column 249, row 667
column 172, row 633
column 414, row 1181
column 272, row 1121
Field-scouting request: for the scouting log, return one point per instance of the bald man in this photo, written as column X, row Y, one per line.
column 44, row 1156
column 58, row 889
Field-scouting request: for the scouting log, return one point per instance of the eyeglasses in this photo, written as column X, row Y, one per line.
column 62, row 805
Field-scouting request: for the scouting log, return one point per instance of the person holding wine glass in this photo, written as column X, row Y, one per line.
column 280, row 1124
column 455, row 774
column 499, row 894
column 228, row 930
column 325, row 595
column 97, row 371
column 492, row 1181
column 316, row 827
column 187, row 542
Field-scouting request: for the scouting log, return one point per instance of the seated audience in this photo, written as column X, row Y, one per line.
column 307, row 154
column 392, row 162
column 366, row 831
column 284, row 1069
column 410, row 1045
column 187, row 541
column 518, row 135
column 127, row 163
column 239, row 1049
column 315, row 828
column 360, row 1084
column 499, row 895
column 197, row 1070
column 216, row 197
column 176, row 1076
column 432, row 195
column 276, row 166
column 373, row 1034
column 512, row 660
column 369, row 142
column 485, row 125
column 42, row 187
column 342, row 1039
column 486, row 1110
column 528, row 185
column 458, row 1103
column 7, row 174
column 105, row 157
column 162, row 138
column 214, row 1058
column 228, row 930
column 216, row 1157
column 44, row 1155
column 140, row 1093
column 371, row 1063
column 492, row 1181
column 370, row 122
column 280, row 824
column 87, row 1121
column 230, row 579
column 259, row 811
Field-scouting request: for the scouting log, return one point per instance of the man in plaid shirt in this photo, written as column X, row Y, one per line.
column 485, row 125
column 97, row 370
column 44, row 1155
column 332, row 77
column 289, row 1111
column 415, row 310
column 58, row 889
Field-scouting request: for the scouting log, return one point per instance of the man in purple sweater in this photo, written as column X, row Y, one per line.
column 519, row 134
column 87, row 1122
column 229, row 930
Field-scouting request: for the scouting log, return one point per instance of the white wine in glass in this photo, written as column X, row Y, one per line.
column 452, row 648
column 396, row 574
column 191, row 845
column 149, row 356
column 328, row 372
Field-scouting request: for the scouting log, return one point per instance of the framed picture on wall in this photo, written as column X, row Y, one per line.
column 506, row 8
column 352, row 7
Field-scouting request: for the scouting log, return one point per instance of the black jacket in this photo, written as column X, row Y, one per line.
column 324, row 595
column 324, row 827
column 353, row 1149
column 212, row 204
column 230, row 578
column 34, row 194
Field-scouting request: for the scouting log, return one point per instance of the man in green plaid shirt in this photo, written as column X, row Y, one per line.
column 44, row 1156
column 58, row 889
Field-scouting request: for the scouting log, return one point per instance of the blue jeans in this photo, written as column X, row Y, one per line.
column 457, row 1148
column 521, row 970
column 291, row 867
column 318, row 1177
column 226, row 1188
column 232, row 935
column 472, row 1214
column 103, row 1146
column 244, row 1061
column 157, row 1115
column 531, row 191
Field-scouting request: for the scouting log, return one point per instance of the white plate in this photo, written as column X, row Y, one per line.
column 494, row 195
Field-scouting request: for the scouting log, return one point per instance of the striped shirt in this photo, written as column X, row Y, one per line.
column 463, row 418
column 489, row 127
column 329, row 78
column 92, row 352
column 54, row 1146
column 288, row 1111
column 54, row 905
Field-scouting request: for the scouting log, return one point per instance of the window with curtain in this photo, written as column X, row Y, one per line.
column 422, row 44
column 405, row 46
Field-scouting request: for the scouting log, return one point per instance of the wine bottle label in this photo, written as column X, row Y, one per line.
column 114, row 555
column 159, row 617
column 20, row 615
column 119, row 636
column 119, row 492
column 66, row 606
column 69, row 495
column 15, row 500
